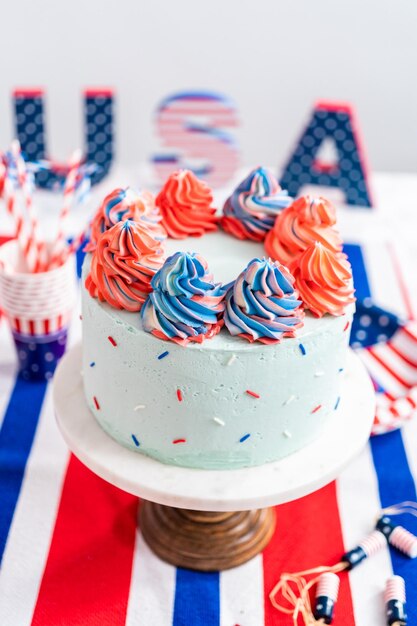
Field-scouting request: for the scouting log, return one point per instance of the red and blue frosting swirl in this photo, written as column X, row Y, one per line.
column 262, row 303
column 123, row 264
column 250, row 212
column 126, row 204
column 304, row 222
column 185, row 304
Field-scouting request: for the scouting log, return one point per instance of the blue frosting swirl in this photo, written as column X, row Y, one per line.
column 262, row 304
column 137, row 205
column 255, row 203
column 122, row 204
column 185, row 305
column 114, row 208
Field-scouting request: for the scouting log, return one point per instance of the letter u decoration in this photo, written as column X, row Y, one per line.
column 98, row 129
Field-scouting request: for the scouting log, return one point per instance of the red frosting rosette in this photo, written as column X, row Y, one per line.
column 185, row 203
column 300, row 225
column 123, row 264
column 126, row 204
column 323, row 279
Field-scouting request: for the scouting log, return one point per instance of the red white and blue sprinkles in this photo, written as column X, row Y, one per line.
column 316, row 408
column 135, row 441
column 163, row 355
column 96, row 403
column 112, row 341
column 337, row 403
column 302, row 349
column 182, row 440
column 92, row 364
column 179, row 395
column 252, row 393
column 289, row 400
column 242, row 439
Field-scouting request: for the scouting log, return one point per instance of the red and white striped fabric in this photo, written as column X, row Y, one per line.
column 393, row 368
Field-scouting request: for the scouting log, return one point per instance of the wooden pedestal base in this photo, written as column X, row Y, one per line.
column 203, row 540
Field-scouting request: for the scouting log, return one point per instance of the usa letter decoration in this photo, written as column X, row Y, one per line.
column 31, row 132
column 193, row 129
column 337, row 122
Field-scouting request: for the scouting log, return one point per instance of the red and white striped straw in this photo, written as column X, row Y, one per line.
column 3, row 172
column 75, row 244
column 34, row 247
column 59, row 249
column 21, row 233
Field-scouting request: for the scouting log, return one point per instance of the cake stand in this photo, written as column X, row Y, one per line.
column 212, row 519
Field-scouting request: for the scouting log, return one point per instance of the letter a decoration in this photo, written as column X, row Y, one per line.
column 98, row 124
column 193, row 129
column 330, row 122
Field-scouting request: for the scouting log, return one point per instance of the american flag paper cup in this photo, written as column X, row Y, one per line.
column 38, row 308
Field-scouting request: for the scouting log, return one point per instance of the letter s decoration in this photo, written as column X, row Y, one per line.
column 193, row 128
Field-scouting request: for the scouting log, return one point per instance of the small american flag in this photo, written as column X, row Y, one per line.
column 388, row 347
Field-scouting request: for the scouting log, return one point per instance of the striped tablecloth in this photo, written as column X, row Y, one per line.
column 71, row 552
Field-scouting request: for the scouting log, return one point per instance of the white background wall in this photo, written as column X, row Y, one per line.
column 273, row 57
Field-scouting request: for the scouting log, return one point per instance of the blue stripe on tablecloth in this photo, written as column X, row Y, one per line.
column 395, row 481
column 197, row 598
column 16, row 438
column 360, row 277
column 79, row 256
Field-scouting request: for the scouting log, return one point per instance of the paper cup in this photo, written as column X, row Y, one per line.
column 38, row 355
column 38, row 308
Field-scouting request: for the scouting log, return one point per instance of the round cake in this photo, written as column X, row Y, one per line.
column 244, row 389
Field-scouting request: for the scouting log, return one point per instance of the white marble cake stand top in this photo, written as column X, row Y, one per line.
column 215, row 490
